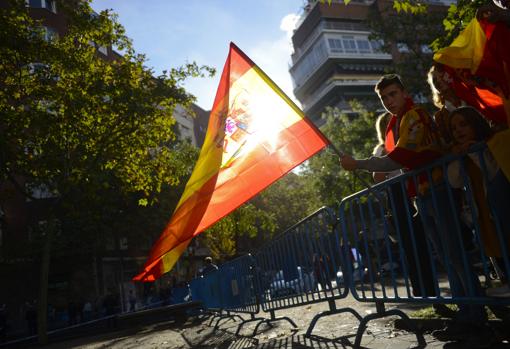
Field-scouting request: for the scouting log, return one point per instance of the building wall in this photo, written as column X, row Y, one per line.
column 201, row 121
column 185, row 124
column 334, row 60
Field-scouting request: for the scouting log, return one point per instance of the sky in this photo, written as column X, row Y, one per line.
column 173, row 32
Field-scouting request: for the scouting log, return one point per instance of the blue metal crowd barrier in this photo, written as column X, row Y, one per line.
column 303, row 265
column 238, row 288
column 422, row 237
column 207, row 289
column 231, row 288
column 179, row 295
column 427, row 249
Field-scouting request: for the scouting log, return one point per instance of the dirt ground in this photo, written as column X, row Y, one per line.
column 200, row 332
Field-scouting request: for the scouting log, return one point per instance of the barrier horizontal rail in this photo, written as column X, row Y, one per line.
column 238, row 285
column 231, row 288
column 207, row 289
column 387, row 248
column 302, row 265
column 434, row 256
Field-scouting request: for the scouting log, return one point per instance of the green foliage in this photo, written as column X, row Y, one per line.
column 351, row 135
column 329, row 2
column 409, row 6
column 76, row 119
column 289, row 200
column 458, row 16
column 247, row 221
column 90, row 223
column 277, row 208
column 96, row 133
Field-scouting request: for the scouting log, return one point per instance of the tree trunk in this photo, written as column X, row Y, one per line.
column 95, row 276
column 42, row 304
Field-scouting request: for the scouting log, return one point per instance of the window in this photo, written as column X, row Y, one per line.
column 47, row 4
column 349, row 44
column 42, row 227
column 363, row 46
column 376, row 45
column 311, row 60
column 402, row 48
column 41, row 71
column 146, row 243
column 40, row 191
column 109, row 243
column 335, row 45
column 34, row 3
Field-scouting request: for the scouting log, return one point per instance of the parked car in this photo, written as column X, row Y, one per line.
column 279, row 287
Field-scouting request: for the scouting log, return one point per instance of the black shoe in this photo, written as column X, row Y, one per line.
column 443, row 311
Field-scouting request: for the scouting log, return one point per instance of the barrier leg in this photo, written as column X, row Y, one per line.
column 274, row 319
column 214, row 315
column 382, row 312
column 253, row 318
column 263, row 321
column 227, row 316
column 330, row 312
column 238, row 316
column 204, row 316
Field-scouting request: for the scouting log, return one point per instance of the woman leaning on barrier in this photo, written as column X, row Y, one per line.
column 468, row 127
column 438, row 205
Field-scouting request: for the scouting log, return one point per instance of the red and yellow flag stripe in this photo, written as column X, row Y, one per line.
column 476, row 58
column 256, row 134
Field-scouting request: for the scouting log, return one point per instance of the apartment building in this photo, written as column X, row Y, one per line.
column 335, row 60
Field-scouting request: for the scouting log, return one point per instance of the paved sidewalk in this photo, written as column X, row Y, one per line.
column 335, row 331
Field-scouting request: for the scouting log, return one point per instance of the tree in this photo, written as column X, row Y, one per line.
column 90, row 216
column 458, row 17
column 272, row 211
column 352, row 135
column 247, row 221
column 288, row 200
column 77, row 125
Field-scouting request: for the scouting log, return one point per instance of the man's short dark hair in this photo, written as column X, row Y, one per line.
column 387, row 80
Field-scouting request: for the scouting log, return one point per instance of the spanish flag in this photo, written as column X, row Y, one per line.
column 476, row 59
column 256, row 134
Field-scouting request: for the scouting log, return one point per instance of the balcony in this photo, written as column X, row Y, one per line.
column 312, row 100
column 334, row 48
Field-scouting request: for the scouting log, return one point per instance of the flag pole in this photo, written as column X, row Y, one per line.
column 340, row 154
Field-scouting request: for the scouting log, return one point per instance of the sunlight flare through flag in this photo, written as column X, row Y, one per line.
column 255, row 135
